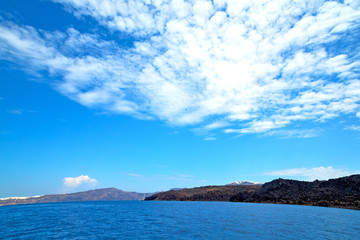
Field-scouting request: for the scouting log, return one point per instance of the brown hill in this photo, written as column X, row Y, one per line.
column 340, row 192
column 207, row 193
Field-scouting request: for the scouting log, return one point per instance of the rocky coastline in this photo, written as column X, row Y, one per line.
column 341, row 192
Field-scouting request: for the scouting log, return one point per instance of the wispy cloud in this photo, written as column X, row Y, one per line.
column 179, row 177
column 294, row 133
column 135, row 175
column 353, row 127
column 321, row 173
column 210, row 138
column 15, row 111
column 82, row 180
column 258, row 66
column 19, row 111
column 215, row 125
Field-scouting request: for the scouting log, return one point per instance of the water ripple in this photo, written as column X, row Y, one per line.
column 176, row 220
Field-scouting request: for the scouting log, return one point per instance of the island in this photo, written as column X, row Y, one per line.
column 104, row 194
column 341, row 192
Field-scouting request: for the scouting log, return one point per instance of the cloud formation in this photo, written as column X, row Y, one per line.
column 320, row 173
column 135, row 175
column 74, row 182
column 292, row 133
column 256, row 65
column 353, row 127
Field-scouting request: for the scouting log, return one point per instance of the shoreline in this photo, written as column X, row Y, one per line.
column 272, row 203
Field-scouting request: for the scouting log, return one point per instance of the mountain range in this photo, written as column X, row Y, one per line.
column 245, row 183
column 340, row 192
column 206, row 193
column 104, row 194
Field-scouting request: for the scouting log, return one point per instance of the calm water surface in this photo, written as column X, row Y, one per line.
column 176, row 220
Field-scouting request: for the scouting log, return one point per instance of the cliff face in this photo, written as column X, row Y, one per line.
column 340, row 192
column 208, row 193
column 105, row 194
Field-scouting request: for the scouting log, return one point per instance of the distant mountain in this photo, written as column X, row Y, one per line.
column 207, row 193
column 176, row 189
column 105, row 194
column 245, row 183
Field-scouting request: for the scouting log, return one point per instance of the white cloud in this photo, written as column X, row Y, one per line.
column 256, row 65
column 321, row 173
column 129, row 16
column 74, row 182
column 215, row 125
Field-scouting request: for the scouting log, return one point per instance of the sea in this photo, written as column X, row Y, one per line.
column 176, row 220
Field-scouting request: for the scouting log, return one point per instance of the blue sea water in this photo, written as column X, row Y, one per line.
column 176, row 220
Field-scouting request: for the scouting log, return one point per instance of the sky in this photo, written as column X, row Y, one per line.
column 151, row 95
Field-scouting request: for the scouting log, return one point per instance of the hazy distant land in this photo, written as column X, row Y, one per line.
column 104, row 194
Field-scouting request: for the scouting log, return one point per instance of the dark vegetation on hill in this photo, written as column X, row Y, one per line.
column 208, row 193
column 105, row 194
column 341, row 192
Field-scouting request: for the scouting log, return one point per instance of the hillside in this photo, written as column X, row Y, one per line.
column 340, row 192
column 105, row 194
column 207, row 193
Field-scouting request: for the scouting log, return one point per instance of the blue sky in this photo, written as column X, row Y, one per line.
column 150, row 95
